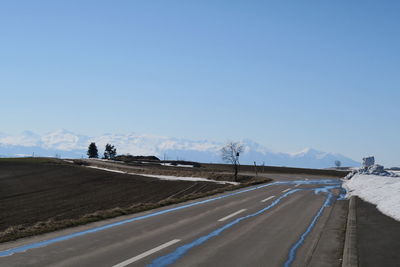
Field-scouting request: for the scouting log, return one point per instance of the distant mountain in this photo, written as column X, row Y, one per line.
column 66, row 144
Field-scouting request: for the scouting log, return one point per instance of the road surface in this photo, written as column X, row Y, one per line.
column 278, row 224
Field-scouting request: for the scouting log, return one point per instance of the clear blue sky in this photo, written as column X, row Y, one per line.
column 287, row 74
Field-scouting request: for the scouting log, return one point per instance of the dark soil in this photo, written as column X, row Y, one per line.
column 33, row 190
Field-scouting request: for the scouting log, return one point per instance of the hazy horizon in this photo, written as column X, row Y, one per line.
column 66, row 144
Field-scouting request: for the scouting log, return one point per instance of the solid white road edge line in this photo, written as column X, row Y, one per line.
column 268, row 198
column 147, row 253
column 296, row 185
column 231, row 215
column 284, row 191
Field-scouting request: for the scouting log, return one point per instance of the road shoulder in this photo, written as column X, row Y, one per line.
column 377, row 237
column 329, row 248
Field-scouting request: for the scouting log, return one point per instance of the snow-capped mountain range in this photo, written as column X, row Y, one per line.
column 70, row 145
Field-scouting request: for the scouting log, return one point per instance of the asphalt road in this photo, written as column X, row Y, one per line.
column 257, row 226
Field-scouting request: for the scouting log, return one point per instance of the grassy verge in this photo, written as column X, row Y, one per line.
column 20, row 231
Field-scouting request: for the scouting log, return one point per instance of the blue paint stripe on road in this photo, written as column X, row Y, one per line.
column 24, row 248
column 180, row 251
column 296, row 246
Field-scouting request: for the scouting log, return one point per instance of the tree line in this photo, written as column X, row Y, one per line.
column 110, row 152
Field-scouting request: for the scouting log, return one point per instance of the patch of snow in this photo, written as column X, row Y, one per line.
column 383, row 191
column 177, row 165
column 167, row 177
column 301, row 152
column 375, row 169
column 193, row 179
column 105, row 160
column 185, row 166
column 147, row 162
column 109, row 170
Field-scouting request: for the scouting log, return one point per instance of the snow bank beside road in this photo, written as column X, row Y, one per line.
column 383, row 191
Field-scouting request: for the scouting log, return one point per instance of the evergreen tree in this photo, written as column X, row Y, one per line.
column 92, row 151
column 110, row 152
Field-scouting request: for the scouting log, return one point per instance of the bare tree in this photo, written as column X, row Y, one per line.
column 230, row 154
column 338, row 163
